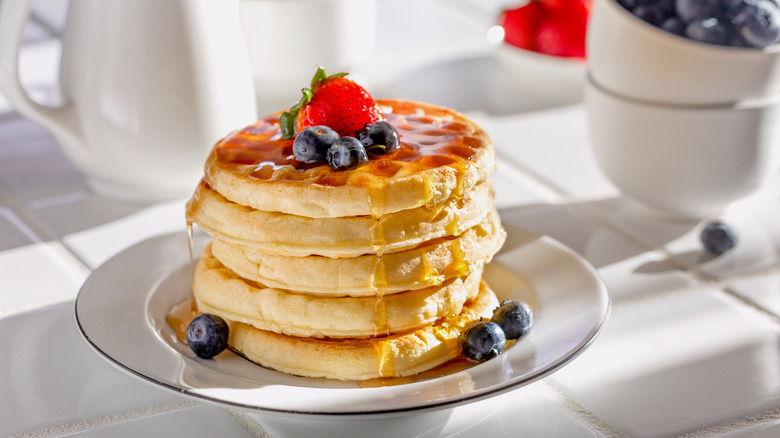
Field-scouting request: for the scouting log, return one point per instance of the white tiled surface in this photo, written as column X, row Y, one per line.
column 692, row 346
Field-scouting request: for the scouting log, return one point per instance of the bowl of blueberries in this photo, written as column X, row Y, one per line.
column 683, row 100
column 686, row 52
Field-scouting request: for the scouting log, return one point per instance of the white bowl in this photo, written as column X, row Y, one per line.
column 637, row 60
column 552, row 74
column 691, row 162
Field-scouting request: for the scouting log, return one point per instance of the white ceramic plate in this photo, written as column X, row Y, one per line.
column 121, row 312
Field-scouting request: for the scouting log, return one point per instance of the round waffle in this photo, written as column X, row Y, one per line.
column 221, row 292
column 443, row 155
column 429, row 264
column 291, row 235
column 359, row 359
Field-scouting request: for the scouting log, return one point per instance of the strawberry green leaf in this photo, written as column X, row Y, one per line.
column 318, row 77
column 287, row 119
column 321, row 76
column 287, row 124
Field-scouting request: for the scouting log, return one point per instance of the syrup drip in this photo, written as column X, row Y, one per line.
column 458, row 364
column 379, row 283
column 180, row 317
column 384, row 354
column 459, row 266
column 189, row 246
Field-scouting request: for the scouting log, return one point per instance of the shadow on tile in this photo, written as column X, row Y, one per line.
column 79, row 211
column 601, row 242
column 482, row 84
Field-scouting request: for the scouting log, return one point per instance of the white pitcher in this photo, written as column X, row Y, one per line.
column 149, row 86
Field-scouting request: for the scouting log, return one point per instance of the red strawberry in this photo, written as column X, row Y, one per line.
column 520, row 25
column 333, row 101
column 571, row 7
column 562, row 35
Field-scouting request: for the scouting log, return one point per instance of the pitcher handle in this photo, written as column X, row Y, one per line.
column 62, row 122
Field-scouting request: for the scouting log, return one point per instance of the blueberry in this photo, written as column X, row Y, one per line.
column 628, row 4
column 674, row 25
column 711, row 31
column 346, row 153
column 757, row 22
column 652, row 14
column 631, row 4
column 514, row 317
column 312, row 143
column 667, row 6
column 483, row 340
column 379, row 138
column 207, row 335
column 718, row 237
column 695, row 10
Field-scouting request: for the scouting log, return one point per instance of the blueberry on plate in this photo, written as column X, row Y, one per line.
column 718, row 237
column 514, row 317
column 207, row 335
column 483, row 340
column 379, row 138
column 312, row 143
column 346, row 153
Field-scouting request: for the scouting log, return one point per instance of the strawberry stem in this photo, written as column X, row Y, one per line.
column 287, row 119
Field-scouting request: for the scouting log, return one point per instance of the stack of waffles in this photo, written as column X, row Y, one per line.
column 349, row 274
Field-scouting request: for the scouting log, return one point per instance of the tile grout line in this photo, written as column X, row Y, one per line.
column 549, row 185
column 706, row 280
column 20, row 224
column 248, row 423
column 550, row 188
column 17, row 309
column 702, row 277
column 71, row 258
column 583, row 414
column 738, row 299
column 38, row 232
column 760, row 311
column 620, row 302
column 108, row 420
column 734, row 425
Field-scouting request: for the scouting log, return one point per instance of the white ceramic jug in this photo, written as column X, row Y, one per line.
column 149, row 86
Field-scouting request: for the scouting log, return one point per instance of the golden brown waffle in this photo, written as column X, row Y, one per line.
column 349, row 274
column 220, row 291
column 429, row 264
column 291, row 235
column 443, row 155
column 359, row 359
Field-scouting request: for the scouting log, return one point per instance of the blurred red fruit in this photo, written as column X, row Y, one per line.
column 552, row 27
column 520, row 25
column 566, row 6
column 562, row 35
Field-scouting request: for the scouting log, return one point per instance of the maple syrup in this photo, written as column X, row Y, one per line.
column 426, row 142
column 180, row 316
column 452, row 366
